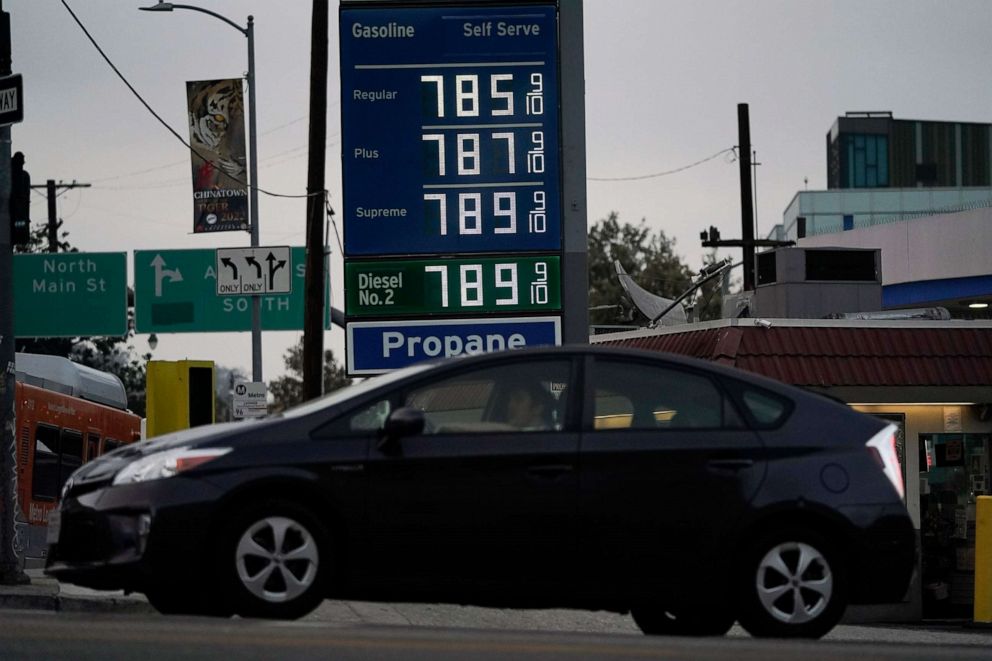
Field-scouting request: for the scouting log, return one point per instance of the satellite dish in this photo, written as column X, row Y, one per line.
column 650, row 305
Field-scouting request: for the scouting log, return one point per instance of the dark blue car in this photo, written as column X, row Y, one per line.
column 688, row 494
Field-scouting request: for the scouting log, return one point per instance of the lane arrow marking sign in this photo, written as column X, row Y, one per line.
column 161, row 273
column 226, row 261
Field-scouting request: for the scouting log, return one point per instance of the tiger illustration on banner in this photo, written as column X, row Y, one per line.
column 217, row 142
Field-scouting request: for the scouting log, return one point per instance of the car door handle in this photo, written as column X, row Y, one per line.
column 550, row 470
column 730, row 464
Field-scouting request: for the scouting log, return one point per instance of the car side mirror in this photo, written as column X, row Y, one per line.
column 404, row 421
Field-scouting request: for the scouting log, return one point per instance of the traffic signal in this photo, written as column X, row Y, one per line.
column 20, row 201
column 712, row 235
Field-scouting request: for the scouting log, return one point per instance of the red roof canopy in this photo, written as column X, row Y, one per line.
column 830, row 356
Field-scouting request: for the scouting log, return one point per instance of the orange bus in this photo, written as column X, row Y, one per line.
column 65, row 414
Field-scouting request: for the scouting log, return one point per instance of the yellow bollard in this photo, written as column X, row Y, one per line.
column 983, row 559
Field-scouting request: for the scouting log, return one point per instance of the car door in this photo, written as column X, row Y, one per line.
column 478, row 500
column 666, row 470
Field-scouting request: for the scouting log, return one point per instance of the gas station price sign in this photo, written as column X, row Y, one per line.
column 491, row 285
column 450, row 122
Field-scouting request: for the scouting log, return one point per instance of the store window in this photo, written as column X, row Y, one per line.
column 954, row 471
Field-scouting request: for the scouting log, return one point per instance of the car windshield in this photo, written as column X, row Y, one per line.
column 355, row 390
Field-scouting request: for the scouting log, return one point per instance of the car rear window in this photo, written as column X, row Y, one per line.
column 768, row 410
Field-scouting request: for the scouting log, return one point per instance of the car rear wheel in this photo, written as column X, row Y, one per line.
column 276, row 560
column 656, row 621
column 792, row 586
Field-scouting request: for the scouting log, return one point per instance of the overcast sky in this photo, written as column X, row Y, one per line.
column 663, row 80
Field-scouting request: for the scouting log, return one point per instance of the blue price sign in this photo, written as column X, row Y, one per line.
column 380, row 346
column 450, row 130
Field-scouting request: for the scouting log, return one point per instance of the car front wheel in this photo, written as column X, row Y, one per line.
column 791, row 586
column 276, row 560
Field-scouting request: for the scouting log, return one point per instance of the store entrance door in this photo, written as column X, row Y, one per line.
column 954, row 469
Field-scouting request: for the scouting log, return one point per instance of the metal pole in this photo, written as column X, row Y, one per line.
column 256, row 301
column 747, row 204
column 10, row 561
column 53, row 221
column 313, row 315
column 575, row 270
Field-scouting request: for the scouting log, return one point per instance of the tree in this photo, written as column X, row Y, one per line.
column 649, row 257
column 225, row 378
column 119, row 357
column 287, row 390
column 709, row 297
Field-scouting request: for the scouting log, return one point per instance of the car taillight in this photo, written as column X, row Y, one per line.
column 883, row 447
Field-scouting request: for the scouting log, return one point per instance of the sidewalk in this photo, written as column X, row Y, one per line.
column 45, row 593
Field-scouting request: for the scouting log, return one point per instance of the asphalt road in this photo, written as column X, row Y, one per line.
column 51, row 635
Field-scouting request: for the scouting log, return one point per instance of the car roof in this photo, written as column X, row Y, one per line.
column 624, row 352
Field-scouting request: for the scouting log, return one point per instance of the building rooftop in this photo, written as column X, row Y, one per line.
column 838, row 354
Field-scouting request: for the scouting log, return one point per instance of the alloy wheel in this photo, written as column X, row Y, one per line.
column 277, row 559
column 794, row 582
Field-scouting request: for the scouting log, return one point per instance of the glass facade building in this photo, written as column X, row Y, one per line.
column 875, row 150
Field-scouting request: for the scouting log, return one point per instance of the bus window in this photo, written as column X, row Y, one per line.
column 45, row 482
column 92, row 446
column 71, row 454
column 109, row 445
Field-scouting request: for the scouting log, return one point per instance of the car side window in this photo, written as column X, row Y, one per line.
column 632, row 395
column 359, row 422
column 516, row 397
column 371, row 417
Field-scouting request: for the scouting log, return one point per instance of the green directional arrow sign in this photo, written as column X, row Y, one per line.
column 70, row 294
column 175, row 291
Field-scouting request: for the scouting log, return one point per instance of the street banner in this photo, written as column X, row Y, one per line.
column 217, row 141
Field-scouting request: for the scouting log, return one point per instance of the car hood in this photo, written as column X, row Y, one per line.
column 106, row 466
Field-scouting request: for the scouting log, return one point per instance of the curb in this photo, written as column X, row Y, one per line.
column 29, row 601
column 50, row 598
column 70, row 604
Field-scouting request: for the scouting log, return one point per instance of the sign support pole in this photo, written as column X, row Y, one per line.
column 10, row 561
column 575, row 271
column 256, row 302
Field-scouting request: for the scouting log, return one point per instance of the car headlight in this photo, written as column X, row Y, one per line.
column 166, row 464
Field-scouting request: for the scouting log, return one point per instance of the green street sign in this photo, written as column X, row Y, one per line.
column 175, row 291
column 452, row 286
column 70, row 294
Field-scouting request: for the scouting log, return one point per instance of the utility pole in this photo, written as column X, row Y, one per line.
column 51, row 189
column 10, row 561
column 711, row 238
column 747, row 208
column 313, row 312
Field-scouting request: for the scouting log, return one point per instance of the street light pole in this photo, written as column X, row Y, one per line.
column 256, row 302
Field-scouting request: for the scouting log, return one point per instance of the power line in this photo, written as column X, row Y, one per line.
column 186, row 162
column 666, row 172
column 155, row 114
